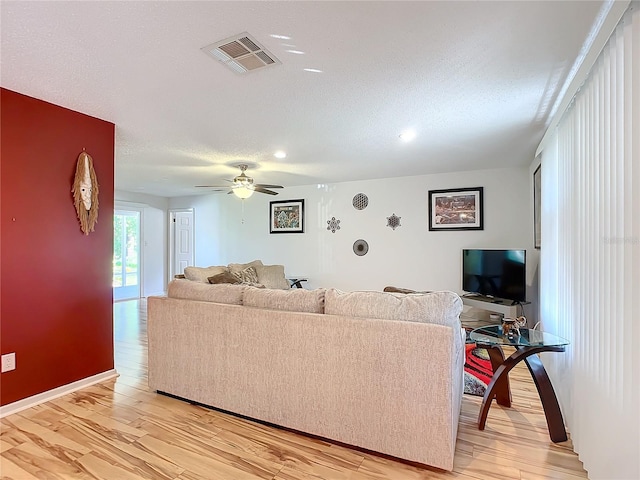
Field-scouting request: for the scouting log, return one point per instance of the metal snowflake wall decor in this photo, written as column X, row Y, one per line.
column 393, row 221
column 333, row 224
column 360, row 201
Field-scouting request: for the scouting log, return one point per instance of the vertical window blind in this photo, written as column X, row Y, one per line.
column 590, row 258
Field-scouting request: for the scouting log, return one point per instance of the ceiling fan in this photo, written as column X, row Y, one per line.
column 243, row 186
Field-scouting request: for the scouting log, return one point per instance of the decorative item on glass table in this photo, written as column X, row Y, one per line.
column 511, row 326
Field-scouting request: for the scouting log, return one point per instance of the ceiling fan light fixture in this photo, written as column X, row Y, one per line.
column 243, row 192
column 280, row 154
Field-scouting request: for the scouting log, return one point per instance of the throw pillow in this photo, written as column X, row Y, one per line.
column 402, row 290
column 272, row 276
column 247, row 275
column 201, row 274
column 236, row 267
column 224, row 277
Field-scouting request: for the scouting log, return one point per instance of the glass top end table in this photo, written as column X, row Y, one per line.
column 528, row 343
column 492, row 334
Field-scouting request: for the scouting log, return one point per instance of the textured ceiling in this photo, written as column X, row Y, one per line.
column 476, row 80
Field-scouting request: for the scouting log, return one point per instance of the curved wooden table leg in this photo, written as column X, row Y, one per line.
column 502, row 371
column 503, row 391
column 549, row 400
column 543, row 384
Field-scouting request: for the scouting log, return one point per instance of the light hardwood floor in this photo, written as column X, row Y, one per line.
column 120, row 429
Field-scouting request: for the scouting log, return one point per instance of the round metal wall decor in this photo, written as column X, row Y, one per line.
column 360, row 247
column 360, row 201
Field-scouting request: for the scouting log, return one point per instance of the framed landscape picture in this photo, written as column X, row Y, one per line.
column 286, row 216
column 456, row 209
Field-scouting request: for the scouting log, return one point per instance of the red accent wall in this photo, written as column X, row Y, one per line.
column 55, row 282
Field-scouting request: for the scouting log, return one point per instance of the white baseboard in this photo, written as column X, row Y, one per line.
column 34, row 400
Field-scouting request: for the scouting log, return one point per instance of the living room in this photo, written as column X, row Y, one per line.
column 228, row 229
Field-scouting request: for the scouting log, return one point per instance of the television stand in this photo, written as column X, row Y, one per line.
column 492, row 304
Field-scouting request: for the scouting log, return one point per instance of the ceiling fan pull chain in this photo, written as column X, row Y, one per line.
column 242, row 221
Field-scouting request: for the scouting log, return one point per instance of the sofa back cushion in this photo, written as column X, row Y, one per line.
column 272, row 276
column 442, row 308
column 237, row 267
column 202, row 274
column 222, row 293
column 291, row 300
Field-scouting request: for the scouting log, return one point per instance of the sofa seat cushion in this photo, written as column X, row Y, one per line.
column 291, row 300
column 442, row 308
column 272, row 276
column 202, row 274
column 222, row 293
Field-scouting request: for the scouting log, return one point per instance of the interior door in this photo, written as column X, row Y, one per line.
column 126, row 254
column 182, row 240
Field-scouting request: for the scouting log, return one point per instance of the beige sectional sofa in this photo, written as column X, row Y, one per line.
column 376, row 370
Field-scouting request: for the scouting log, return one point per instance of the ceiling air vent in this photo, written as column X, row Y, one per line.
column 241, row 53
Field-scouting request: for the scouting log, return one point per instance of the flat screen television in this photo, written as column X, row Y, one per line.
column 495, row 273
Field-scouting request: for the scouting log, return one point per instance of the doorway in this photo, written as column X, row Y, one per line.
column 181, row 241
column 126, row 254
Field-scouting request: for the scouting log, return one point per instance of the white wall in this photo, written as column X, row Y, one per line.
column 154, row 238
column 410, row 257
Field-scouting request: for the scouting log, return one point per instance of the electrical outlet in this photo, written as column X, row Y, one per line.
column 8, row 362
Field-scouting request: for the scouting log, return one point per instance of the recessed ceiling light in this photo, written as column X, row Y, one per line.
column 407, row 136
column 296, row 52
column 281, row 37
column 312, row 70
column 280, row 154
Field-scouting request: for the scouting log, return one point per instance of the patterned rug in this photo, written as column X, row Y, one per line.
column 477, row 370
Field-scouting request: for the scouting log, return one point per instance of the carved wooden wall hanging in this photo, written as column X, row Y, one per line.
column 85, row 193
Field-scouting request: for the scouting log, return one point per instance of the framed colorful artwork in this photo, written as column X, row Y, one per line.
column 286, row 216
column 456, row 209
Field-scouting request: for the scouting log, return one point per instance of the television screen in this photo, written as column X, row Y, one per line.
column 495, row 273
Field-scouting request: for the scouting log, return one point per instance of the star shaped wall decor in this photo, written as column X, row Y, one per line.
column 393, row 221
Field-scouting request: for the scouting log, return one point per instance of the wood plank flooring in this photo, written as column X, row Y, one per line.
column 120, row 430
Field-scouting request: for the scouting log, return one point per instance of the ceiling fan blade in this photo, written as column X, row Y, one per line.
column 211, row 186
column 263, row 185
column 229, row 192
column 264, row 190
